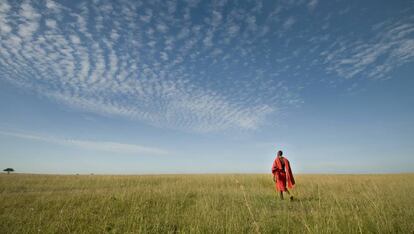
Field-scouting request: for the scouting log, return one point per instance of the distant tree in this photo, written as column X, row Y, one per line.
column 8, row 170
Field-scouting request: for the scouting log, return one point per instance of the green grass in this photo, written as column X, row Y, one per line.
column 205, row 204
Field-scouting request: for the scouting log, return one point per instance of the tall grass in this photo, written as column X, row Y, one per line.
column 205, row 204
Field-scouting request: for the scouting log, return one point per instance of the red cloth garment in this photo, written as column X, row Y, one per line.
column 283, row 174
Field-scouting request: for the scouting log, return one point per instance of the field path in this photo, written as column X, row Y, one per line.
column 247, row 205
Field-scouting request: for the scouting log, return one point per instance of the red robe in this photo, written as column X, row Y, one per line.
column 283, row 175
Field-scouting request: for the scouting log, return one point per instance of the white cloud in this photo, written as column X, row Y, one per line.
column 30, row 18
column 75, row 39
column 147, row 17
column 4, row 7
column 216, row 18
column 107, row 146
column 4, row 26
column 162, row 27
column 233, row 29
column 52, row 5
column 289, row 22
column 251, row 22
column 312, row 4
column 164, row 56
column 208, row 40
column 51, row 23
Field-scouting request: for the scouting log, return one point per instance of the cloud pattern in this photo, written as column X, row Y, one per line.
column 189, row 65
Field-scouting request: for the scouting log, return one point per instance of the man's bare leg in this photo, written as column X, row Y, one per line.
column 281, row 195
column 290, row 195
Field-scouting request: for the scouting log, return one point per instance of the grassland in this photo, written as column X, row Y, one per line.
column 205, row 204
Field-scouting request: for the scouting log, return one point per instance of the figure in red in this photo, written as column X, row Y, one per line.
column 282, row 174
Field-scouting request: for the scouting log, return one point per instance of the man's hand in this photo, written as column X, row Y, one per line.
column 274, row 178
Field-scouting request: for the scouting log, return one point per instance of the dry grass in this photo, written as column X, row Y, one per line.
column 205, row 204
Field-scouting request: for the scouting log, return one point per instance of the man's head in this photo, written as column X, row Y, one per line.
column 279, row 153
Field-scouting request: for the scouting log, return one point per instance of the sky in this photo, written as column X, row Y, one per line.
column 148, row 87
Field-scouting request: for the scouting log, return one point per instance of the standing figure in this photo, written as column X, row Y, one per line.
column 281, row 174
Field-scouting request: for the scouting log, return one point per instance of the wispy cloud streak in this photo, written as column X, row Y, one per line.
column 107, row 146
column 391, row 46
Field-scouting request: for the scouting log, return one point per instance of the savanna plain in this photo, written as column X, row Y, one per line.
column 228, row 203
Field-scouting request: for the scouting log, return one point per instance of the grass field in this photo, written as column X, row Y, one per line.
column 205, row 204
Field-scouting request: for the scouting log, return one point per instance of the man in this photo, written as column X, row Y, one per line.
column 281, row 174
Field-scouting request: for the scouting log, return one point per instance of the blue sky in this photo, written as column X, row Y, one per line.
column 204, row 87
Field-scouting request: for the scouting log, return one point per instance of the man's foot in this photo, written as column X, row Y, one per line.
column 291, row 198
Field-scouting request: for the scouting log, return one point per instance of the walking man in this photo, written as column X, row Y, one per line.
column 282, row 174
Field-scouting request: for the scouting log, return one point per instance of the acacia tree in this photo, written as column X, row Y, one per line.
column 8, row 170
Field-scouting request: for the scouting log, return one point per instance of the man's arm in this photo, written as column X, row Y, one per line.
column 274, row 170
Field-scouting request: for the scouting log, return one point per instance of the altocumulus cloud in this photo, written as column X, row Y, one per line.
column 132, row 61
column 188, row 65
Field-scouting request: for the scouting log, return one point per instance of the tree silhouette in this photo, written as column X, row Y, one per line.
column 8, row 170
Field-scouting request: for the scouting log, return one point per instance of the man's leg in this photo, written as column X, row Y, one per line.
column 290, row 195
column 281, row 195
